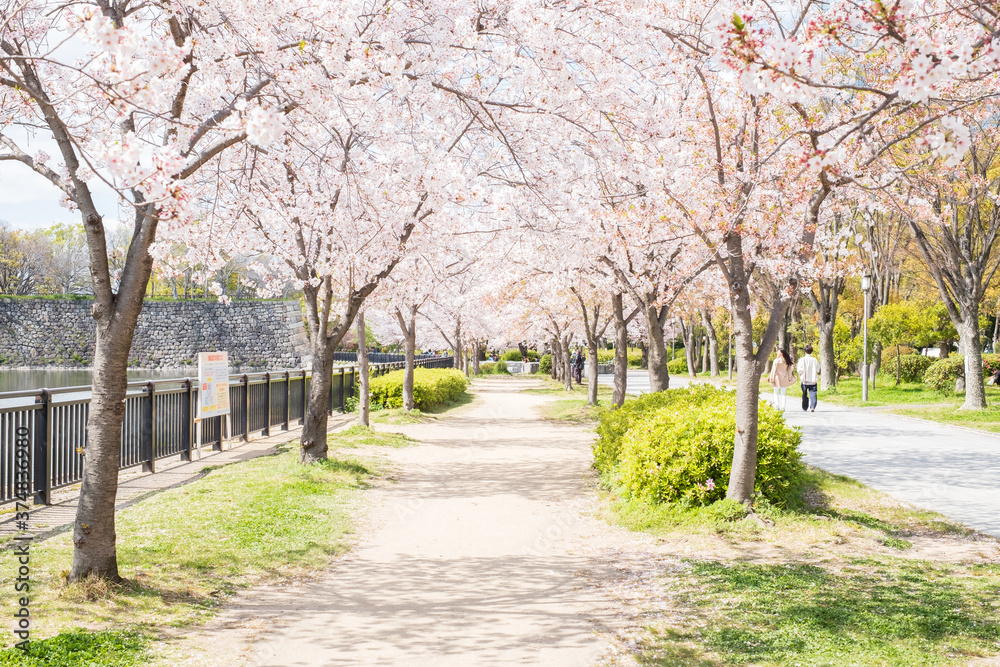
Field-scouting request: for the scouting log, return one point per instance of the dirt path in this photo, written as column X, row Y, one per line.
column 483, row 553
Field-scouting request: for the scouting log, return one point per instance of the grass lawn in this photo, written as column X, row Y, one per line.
column 572, row 405
column 848, row 577
column 182, row 551
column 986, row 420
column 399, row 416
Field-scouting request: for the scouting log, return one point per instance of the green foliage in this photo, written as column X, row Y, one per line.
column 493, row 368
column 605, row 356
column 943, row 373
column 81, row 648
column 634, row 357
column 545, row 364
column 726, row 510
column 667, row 446
column 678, row 366
column 515, row 355
column 902, row 323
column 912, row 366
column 431, row 387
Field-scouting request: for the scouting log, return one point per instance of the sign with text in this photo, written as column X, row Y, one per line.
column 213, row 384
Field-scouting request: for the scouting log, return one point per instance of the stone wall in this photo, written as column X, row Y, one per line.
column 257, row 334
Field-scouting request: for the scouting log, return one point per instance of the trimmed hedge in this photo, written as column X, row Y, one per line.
column 943, row 373
column 493, row 368
column 912, row 367
column 515, row 355
column 677, row 445
column 431, row 387
column 545, row 364
column 677, row 366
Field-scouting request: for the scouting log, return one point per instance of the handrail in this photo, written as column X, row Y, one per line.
column 159, row 420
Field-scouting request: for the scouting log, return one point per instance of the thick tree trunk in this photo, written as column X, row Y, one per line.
column 476, row 351
column 644, row 355
column 713, row 342
column 364, row 394
column 621, row 351
column 410, row 343
column 94, row 530
column 744, row 470
column 556, row 358
column 314, row 428
column 659, row 376
column 968, row 331
column 827, row 361
column 523, row 349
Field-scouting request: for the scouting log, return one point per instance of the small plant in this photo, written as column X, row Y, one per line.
column 545, row 364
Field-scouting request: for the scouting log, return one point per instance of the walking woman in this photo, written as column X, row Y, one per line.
column 781, row 377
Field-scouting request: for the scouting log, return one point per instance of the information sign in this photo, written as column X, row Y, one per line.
column 213, row 384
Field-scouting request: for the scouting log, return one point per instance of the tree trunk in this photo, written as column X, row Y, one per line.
column 713, row 342
column 592, row 371
column 364, row 395
column 317, row 415
column 744, row 470
column 659, row 376
column 475, row 356
column 523, row 349
column 556, row 358
column 644, row 358
column 899, row 364
column 621, row 350
column 968, row 331
column 94, row 530
column 410, row 343
column 689, row 348
column 568, row 361
column 458, row 346
column 827, row 361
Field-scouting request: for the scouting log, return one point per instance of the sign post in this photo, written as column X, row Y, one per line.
column 213, row 394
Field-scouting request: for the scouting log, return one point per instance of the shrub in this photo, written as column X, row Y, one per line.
column 912, row 367
column 502, row 367
column 679, row 447
column 545, row 364
column 613, row 424
column 677, row 366
column 515, row 355
column 634, row 357
column 943, row 373
column 493, row 368
column 431, row 387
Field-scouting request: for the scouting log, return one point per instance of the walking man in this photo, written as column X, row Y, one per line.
column 808, row 370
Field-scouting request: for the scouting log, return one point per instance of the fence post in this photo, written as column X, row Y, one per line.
column 288, row 396
column 187, row 422
column 42, row 481
column 148, row 450
column 305, row 395
column 267, row 411
column 246, row 407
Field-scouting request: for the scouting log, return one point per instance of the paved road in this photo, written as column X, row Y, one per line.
column 942, row 468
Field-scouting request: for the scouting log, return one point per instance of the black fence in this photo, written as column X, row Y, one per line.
column 379, row 357
column 159, row 421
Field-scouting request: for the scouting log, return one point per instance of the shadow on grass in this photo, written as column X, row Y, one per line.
column 870, row 612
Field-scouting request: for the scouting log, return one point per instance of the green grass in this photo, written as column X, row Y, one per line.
column 401, row 417
column 182, row 551
column 572, row 406
column 986, row 420
column 819, row 582
column 359, row 436
column 79, row 648
column 862, row 612
column 848, row 392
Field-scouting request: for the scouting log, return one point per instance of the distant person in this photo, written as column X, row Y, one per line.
column 808, row 370
column 782, row 377
column 578, row 365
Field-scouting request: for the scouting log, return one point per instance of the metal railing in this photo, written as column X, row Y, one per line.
column 159, row 421
column 379, row 357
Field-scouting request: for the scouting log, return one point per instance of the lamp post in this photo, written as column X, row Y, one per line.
column 866, row 286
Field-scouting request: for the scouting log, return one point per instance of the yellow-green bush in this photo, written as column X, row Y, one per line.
column 678, row 446
column 431, row 387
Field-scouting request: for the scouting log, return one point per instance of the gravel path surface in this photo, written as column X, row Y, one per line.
column 484, row 552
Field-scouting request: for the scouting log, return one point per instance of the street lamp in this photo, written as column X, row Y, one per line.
column 866, row 286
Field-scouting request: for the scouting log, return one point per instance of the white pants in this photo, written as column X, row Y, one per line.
column 779, row 397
